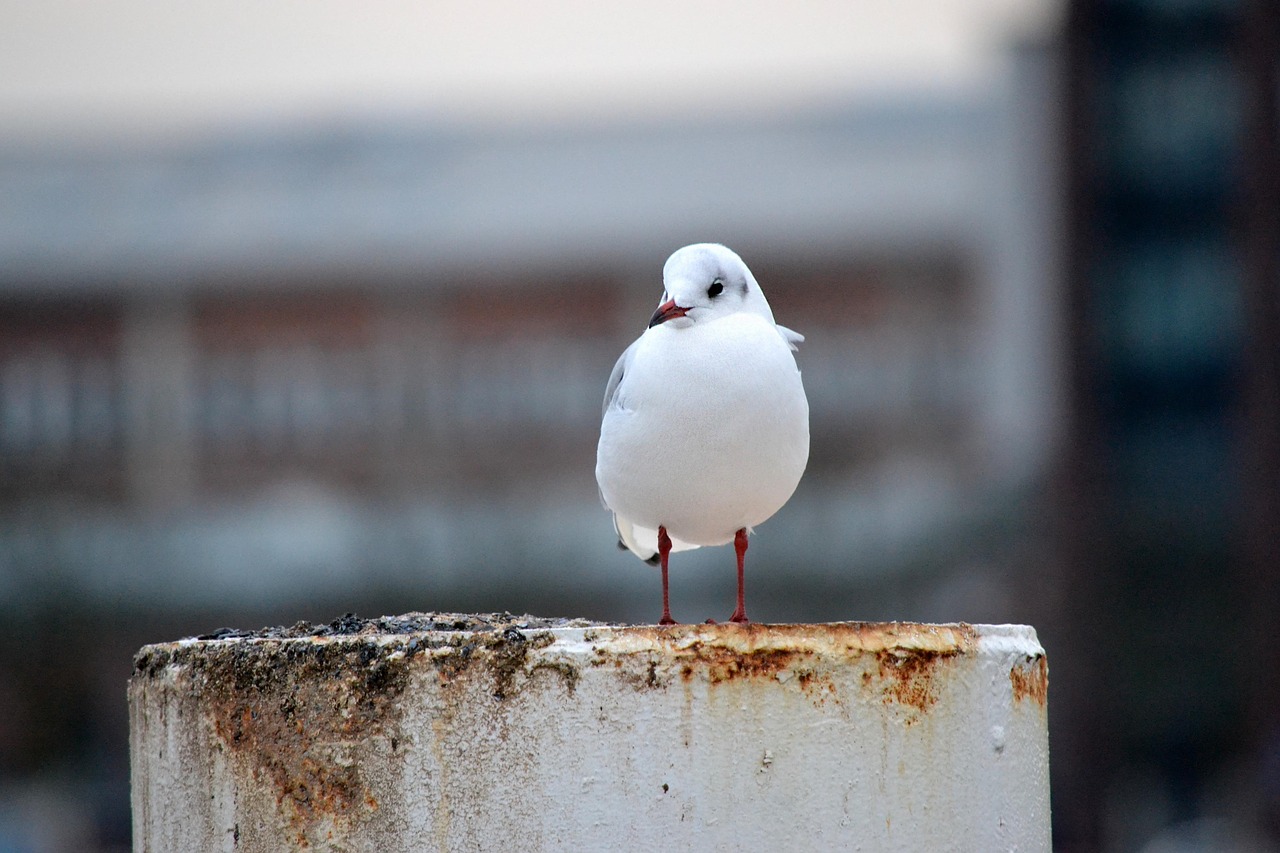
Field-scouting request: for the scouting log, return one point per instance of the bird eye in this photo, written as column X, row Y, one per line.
column 716, row 288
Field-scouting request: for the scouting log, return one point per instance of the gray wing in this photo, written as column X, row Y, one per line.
column 792, row 337
column 615, row 378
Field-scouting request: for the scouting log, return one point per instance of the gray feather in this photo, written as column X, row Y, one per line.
column 615, row 378
column 792, row 337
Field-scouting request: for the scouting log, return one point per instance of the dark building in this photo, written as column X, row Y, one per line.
column 1171, row 529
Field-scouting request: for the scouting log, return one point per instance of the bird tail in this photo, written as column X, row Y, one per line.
column 627, row 541
column 642, row 541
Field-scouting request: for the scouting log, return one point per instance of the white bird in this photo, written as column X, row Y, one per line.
column 706, row 426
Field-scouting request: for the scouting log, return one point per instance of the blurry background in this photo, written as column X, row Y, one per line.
column 308, row 309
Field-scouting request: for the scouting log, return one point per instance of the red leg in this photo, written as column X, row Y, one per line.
column 740, row 546
column 664, row 551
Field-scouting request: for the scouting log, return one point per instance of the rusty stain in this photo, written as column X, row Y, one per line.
column 505, row 658
column 907, row 676
column 905, row 655
column 1030, row 679
column 272, row 703
column 721, row 664
column 711, row 660
column 288, row 701
column 832, row 638
column 907, row 672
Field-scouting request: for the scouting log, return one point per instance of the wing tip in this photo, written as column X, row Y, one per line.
column 792, row 337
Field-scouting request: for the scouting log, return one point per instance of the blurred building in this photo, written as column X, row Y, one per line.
column 289, row 369
column 308, row 314
column 284, row 363
column 1172, row 478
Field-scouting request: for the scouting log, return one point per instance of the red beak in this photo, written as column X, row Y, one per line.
column 668, row 310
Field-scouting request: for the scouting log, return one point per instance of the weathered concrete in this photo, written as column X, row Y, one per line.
column 432, row 732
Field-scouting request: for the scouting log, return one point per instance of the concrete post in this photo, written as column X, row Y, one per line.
column 443, row 732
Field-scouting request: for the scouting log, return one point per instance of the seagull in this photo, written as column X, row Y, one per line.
column 705, row 430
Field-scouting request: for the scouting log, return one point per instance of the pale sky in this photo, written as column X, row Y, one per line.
column 160, row 66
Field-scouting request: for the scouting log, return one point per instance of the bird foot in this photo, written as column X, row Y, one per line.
column 667, row 620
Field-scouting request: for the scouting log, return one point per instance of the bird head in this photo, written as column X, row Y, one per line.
column 704, row 282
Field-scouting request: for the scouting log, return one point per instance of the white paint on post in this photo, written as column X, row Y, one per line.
column 837, row 736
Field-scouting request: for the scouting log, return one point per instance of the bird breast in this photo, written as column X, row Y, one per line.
column 710, row 433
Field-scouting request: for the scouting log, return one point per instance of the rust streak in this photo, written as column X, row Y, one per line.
column 904, row 655
column 907, row 676
column 289, row 704
column 1030, row 680
column 272, row 703
column 835, row 638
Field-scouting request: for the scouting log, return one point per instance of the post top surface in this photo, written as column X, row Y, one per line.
column 435, row 630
